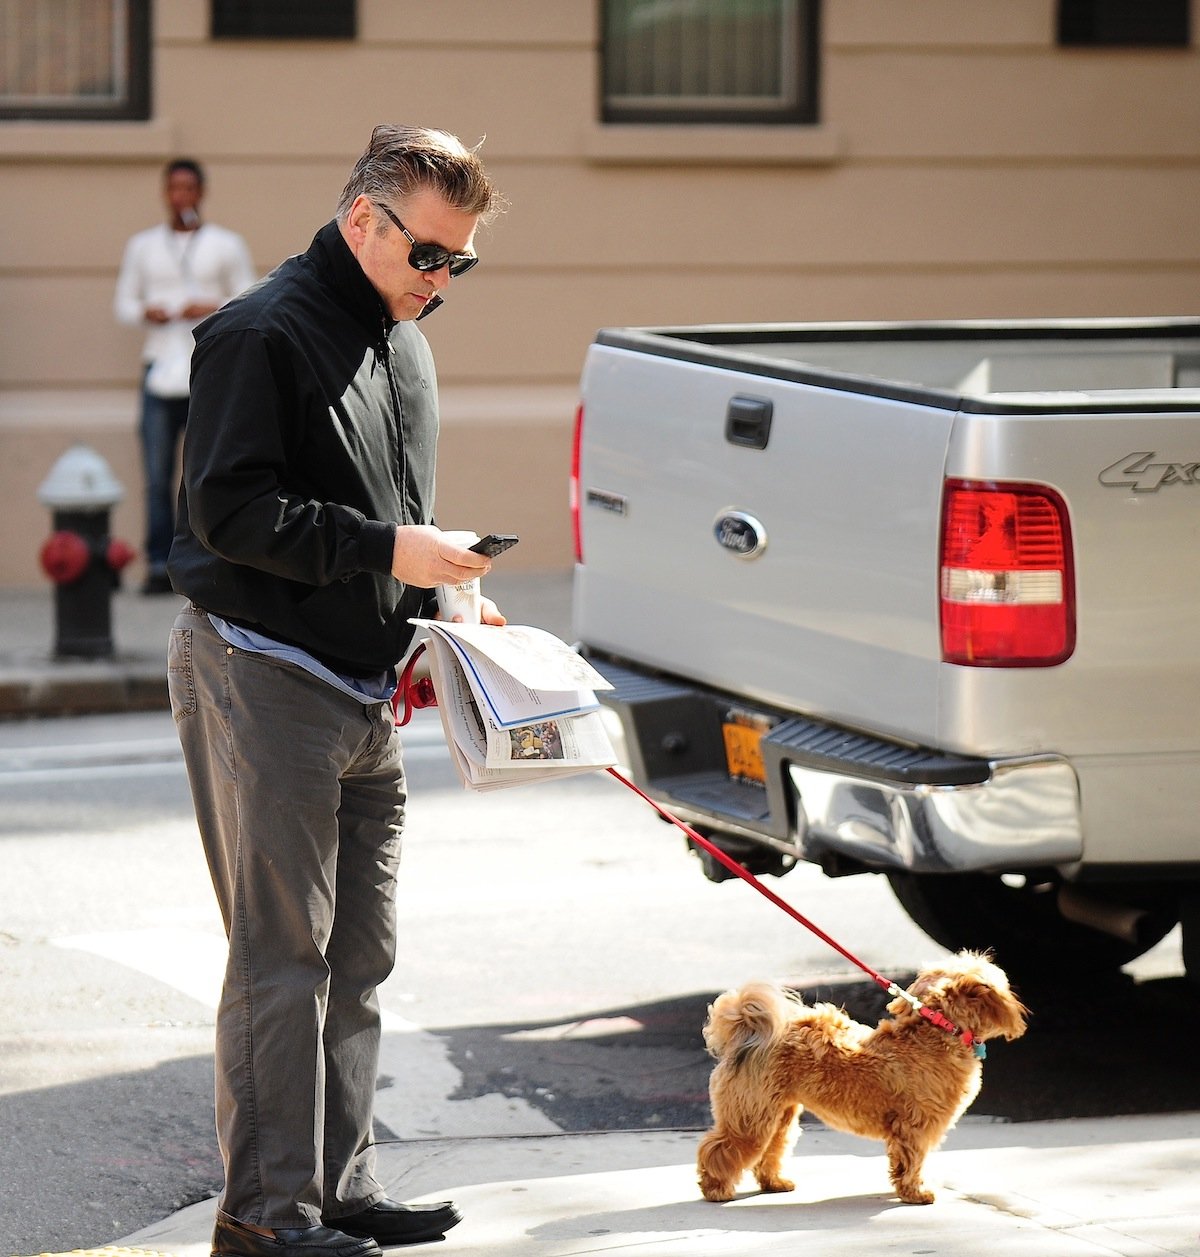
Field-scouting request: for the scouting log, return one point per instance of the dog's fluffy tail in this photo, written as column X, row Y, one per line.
column 741, row 1023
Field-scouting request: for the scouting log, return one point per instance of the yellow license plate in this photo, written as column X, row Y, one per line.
column 743, row 733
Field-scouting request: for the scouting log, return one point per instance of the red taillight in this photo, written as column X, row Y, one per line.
column 1007, row 579
column 576, row 522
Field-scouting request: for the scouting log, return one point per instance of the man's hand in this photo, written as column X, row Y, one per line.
column 198, row 309
column 489, row 614
column 425, row 556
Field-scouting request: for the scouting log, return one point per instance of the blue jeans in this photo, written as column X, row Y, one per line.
column 300, row 797
column 162, row 424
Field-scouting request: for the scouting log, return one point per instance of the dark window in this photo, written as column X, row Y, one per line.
column 748, row 61
column 284, row 19
column 1124, row 23
column 75, row 60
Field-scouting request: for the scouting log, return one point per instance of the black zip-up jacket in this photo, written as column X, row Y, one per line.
column 312, row 432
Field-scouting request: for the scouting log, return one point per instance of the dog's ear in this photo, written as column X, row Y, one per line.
column 990, row 1011
column 1010, row 1015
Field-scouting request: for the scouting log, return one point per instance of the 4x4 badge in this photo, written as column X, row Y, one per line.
column 1139, row 473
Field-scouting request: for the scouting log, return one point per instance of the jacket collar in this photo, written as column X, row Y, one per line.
column 339, row 268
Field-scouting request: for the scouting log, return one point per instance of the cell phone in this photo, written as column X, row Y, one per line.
column 495, row 543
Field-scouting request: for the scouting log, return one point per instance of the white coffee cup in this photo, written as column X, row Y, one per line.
column 464, row 598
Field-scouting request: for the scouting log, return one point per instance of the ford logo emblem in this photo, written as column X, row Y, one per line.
column 741, row 533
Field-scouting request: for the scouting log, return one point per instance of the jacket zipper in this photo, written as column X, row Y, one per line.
column 386, row 352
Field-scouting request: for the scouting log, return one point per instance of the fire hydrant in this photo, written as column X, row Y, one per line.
column 80, row 557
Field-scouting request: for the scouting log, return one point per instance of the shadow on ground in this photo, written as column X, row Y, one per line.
column 86, row 1163
column 1105, row 1047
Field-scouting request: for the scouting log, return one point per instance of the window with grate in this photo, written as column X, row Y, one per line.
column 284, row 19
column 1124, row 23
column 74, row 59
column 752, row 61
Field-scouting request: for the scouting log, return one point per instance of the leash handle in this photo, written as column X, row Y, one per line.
column 413, row 694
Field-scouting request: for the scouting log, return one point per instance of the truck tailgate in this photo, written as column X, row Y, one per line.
column 837, row 616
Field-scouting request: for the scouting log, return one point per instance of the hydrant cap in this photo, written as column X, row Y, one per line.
column 82, row 481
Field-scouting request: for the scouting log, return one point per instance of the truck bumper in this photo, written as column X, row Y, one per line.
column 839, row 798
column 1024, row 815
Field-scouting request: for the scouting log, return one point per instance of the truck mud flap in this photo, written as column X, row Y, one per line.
column 675, row 742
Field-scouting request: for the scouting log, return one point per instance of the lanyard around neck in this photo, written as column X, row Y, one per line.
column 182, row 255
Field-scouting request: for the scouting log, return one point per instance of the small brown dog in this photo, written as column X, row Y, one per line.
column 905, row 1082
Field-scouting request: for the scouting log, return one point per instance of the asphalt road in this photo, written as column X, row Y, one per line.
column 558, row 950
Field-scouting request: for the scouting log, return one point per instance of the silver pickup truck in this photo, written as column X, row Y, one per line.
column 914, row 599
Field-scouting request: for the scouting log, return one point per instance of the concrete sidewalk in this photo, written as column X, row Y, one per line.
column 34, row 683
column 1123, row 1185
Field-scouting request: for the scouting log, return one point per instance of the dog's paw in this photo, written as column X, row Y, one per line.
column 915, row 1195
column 717, row 1193
column 773, row 1183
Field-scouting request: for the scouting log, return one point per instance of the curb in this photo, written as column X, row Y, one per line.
column 83, row 688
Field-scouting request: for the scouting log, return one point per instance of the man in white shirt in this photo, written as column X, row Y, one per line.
column 171, row 277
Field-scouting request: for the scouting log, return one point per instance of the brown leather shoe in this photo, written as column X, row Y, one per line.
column 392, row 1224
column 235, row 1239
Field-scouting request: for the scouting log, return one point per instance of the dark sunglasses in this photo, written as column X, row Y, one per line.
column 432, row 257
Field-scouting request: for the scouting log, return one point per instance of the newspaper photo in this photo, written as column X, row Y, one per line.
column 562, row 733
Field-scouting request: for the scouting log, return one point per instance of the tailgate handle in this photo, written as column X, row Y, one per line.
column 748, row 422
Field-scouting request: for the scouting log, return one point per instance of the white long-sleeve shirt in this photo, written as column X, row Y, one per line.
column 168, row 268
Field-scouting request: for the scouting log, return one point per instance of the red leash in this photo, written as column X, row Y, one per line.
column 930, row 1014
column 413, row 693
column 419, row 692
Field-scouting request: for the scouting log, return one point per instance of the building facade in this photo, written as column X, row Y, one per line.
column 666, row 161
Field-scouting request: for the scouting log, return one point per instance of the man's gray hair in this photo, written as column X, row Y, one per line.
column 399, row 160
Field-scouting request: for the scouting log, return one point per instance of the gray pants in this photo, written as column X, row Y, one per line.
column 299, row 794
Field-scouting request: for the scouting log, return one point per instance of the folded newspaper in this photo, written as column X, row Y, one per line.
column 517, row 704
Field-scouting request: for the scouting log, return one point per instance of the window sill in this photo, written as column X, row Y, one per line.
column 101, row 141
column 699, row 144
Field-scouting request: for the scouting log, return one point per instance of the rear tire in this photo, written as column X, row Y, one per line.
column 1189, row 918
column 1020, row 920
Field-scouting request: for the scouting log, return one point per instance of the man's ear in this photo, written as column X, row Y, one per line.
column 360, row 222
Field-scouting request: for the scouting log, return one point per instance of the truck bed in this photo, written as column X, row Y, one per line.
column 836, row 617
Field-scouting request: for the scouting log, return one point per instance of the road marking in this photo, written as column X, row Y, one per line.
column 100, row 772
column 191, row 961
column 144, row 750
column 424, row 742
column 416, row 1077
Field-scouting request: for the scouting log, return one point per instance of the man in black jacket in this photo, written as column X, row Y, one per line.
column 305, row 543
